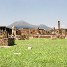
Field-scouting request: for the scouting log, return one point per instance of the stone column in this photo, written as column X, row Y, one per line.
column 59, row 25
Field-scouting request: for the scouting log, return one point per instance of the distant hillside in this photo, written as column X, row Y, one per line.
column 42, row 26
column 23, row 24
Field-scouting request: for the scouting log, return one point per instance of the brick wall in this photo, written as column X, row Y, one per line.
column 6, row 41
column 41, row 36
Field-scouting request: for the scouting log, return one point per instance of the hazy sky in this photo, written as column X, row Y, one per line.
column 46, row 12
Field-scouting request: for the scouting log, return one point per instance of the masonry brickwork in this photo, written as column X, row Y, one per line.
column 4, row 40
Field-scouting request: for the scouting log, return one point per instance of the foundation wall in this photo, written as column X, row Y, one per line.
column 6, row 41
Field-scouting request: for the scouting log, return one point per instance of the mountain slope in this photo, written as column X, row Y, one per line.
column 23, row 24
column 42, row 26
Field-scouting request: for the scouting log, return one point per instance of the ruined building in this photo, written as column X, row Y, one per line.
column 4, row 36
column 60, row 32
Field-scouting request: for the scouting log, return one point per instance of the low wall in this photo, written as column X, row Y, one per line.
column 41, row 36
column 49, row 36
column 6, row 41
column 3, row 42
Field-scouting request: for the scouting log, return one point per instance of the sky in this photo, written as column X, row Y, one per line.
column 35, row 12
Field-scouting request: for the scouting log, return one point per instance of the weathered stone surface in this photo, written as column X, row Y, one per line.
column 24, row 37
column 11, row 41
column 62, row 37
column 6, row 41
column 53, row 37
column 41, row 36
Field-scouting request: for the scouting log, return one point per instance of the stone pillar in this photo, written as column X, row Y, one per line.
column 59, row 28
column 59, row 25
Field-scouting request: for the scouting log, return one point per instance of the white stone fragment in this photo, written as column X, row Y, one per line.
column 29, row 48
column 17, row 53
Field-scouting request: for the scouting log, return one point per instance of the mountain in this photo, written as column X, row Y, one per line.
column 42, row 26
column 23, row 24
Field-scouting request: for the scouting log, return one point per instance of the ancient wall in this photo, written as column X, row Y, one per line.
column 41, row 36
column 3, row 41
column 24, row 31
column 6, row 41
column 34, row 31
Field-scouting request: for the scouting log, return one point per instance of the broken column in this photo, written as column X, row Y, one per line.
column 59, row 25
column 59, row 30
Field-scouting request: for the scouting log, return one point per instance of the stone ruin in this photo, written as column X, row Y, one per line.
column 4, row 40
column 17, row 34
column 25, row 33
column 59, row 33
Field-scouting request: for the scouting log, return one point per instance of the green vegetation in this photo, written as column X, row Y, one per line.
column 44, row 53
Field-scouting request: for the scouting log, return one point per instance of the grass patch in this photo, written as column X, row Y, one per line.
column 44, row 53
